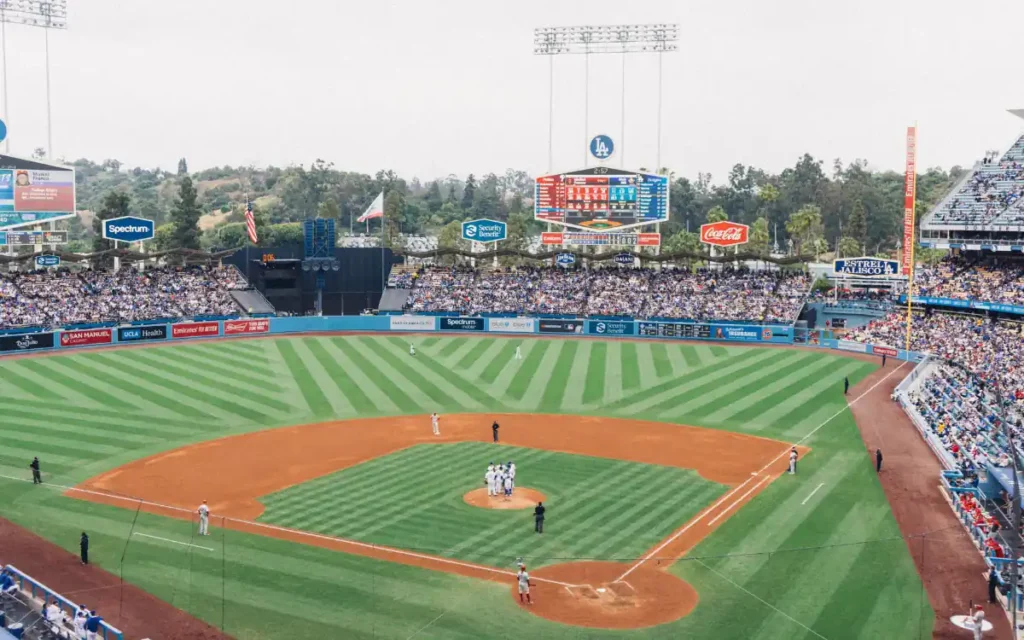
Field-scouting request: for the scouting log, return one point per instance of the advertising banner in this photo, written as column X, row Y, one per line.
column 25, row 238
column 512, row 325
column 136, row 334
column 238, row 327
column 86, row 336
column 484, row 230
column 612, row 327
column 909, row 199
column 462, row 324
column 865, row 267
column 884, row 351
column 583, row 238
column 413, row 323
column 965, row 304
column 847, row 345
column 26, row 342
column 745, row 333
column 724, row 234
column 194, row 329
column 560, row 326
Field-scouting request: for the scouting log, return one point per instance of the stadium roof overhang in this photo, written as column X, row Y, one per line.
column 13, row 162
column 1017, row 112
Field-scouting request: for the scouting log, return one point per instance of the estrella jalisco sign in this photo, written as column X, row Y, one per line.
column 866, row 267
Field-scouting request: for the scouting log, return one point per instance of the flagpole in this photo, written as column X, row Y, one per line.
column 382, row 282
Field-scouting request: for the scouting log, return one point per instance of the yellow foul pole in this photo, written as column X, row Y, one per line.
column 909, row 201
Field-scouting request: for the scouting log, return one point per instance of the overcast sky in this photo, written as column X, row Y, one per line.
column 429, row 87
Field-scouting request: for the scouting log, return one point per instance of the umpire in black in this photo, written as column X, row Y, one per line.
column 538, row 517
column 494, row 430
column 37, row 478
column 83, row 547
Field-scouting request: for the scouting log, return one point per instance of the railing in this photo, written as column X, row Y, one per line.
column 38, row 590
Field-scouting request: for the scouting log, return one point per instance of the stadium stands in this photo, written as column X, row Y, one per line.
column 60, row 298
column 988, row 280
column 731, row 295
column 990, row 196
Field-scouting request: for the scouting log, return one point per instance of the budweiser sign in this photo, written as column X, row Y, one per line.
column 236, row 327
column 724, row 234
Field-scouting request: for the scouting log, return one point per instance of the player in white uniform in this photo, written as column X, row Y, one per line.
column 792, row 461
column 508, row 486
column 433, row 423
column 412, row 350
column 524, row 584
column 979, row 621
column 204, row 519
column 80, row 615
column 519, row 353
column 491, row 480
column 512, row 473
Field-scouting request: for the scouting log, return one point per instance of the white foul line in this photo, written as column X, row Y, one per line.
column 704, row 513
column 812, row 493
column 184, row 544
column 298, row 532
column 738, row 500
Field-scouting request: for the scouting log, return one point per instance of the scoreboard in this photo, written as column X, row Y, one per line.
column 601, row 198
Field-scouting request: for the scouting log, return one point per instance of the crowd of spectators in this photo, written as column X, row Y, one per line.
column 729, row 295
column 990, row 280
column 63, row 297
column 992, row 194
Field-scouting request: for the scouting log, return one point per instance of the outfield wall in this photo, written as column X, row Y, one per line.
column 664, row 330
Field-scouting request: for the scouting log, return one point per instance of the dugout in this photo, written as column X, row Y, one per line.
column 277, row 273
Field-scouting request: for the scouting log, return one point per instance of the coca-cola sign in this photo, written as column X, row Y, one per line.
column 724, row 234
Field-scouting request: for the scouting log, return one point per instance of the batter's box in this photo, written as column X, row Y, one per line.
column 622, row 589
column 584, row 591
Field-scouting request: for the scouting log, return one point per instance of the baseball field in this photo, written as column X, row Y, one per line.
column 338, row 514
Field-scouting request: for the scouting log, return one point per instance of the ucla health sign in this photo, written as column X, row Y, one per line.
column 866, row 267
column 128, row 229
column 484, row 230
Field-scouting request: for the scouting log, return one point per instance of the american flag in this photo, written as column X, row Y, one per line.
column 250, row 221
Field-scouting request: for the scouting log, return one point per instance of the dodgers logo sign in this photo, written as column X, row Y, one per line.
column 484, row 230
column 565, row 259
column 128, row 229
column 602, row 147
column 866, row 267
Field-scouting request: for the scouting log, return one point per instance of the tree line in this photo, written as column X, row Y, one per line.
column 806, row 208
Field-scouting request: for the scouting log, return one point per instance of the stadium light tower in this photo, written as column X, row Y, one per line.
column 46, row 14
column 621, row 39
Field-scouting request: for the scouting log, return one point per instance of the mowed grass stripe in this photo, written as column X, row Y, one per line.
column 593, row 390
column 689, row 353
column 250, row 375
column 444, row 374
column 742, row 408
column 63, row 372
column 497, row 359
column 171, row 383
column 225, row 357
column 241, row 350
column 57, row 413
column 662, row 364
column 450, row 346
column 314, row 396
column 256, row 395
column 367, row 382
column 410, row 373
column 797, row 412
column 112, row 442
column 12, row 377
column 480, row 345
column 64, row 446
column 340, row 406
column 393, row 391
column 742, row 387
column 528, row 369
column 718, row 351
column 343, row 382
column 630, row 366
column 554, row 387
column 669, row 385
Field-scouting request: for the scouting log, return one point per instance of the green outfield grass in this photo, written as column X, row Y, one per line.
column 413, row 499
column 90, row 412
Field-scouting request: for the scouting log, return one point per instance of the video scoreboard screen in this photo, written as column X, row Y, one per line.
column 674, row 330
column 601, row 198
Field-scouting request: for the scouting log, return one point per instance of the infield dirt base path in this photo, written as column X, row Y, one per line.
column 232, row 473
column 949, row 564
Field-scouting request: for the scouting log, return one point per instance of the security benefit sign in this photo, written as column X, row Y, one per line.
column 612, row 328
column 865, row 267
column 484, row 230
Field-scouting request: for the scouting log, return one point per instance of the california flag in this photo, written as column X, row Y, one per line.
column 375, row 210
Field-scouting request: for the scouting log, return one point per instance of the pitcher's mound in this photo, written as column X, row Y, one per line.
column 521, row 498
column 590, row 594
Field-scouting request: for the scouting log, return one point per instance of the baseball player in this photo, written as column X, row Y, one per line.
column 80, row 615
column 491, row 480
column 512, row 473
column 978, row 620
column 792, row 460
column 433, row 423
column 204, row 519
column 519, row 352
column 508, row 486
column 524, row 584
column 412, row 350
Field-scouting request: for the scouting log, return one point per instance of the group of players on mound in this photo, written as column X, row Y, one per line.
column 500, row 478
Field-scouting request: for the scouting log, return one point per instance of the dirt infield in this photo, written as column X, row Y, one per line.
column 130, row 609
column 220, row 471
column 522, row 498
column 949, row 564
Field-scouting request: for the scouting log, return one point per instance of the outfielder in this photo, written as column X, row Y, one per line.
column 204, row 519
column 524, row 584
column 519, row 353
column 433, row 423
column 412, row 350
